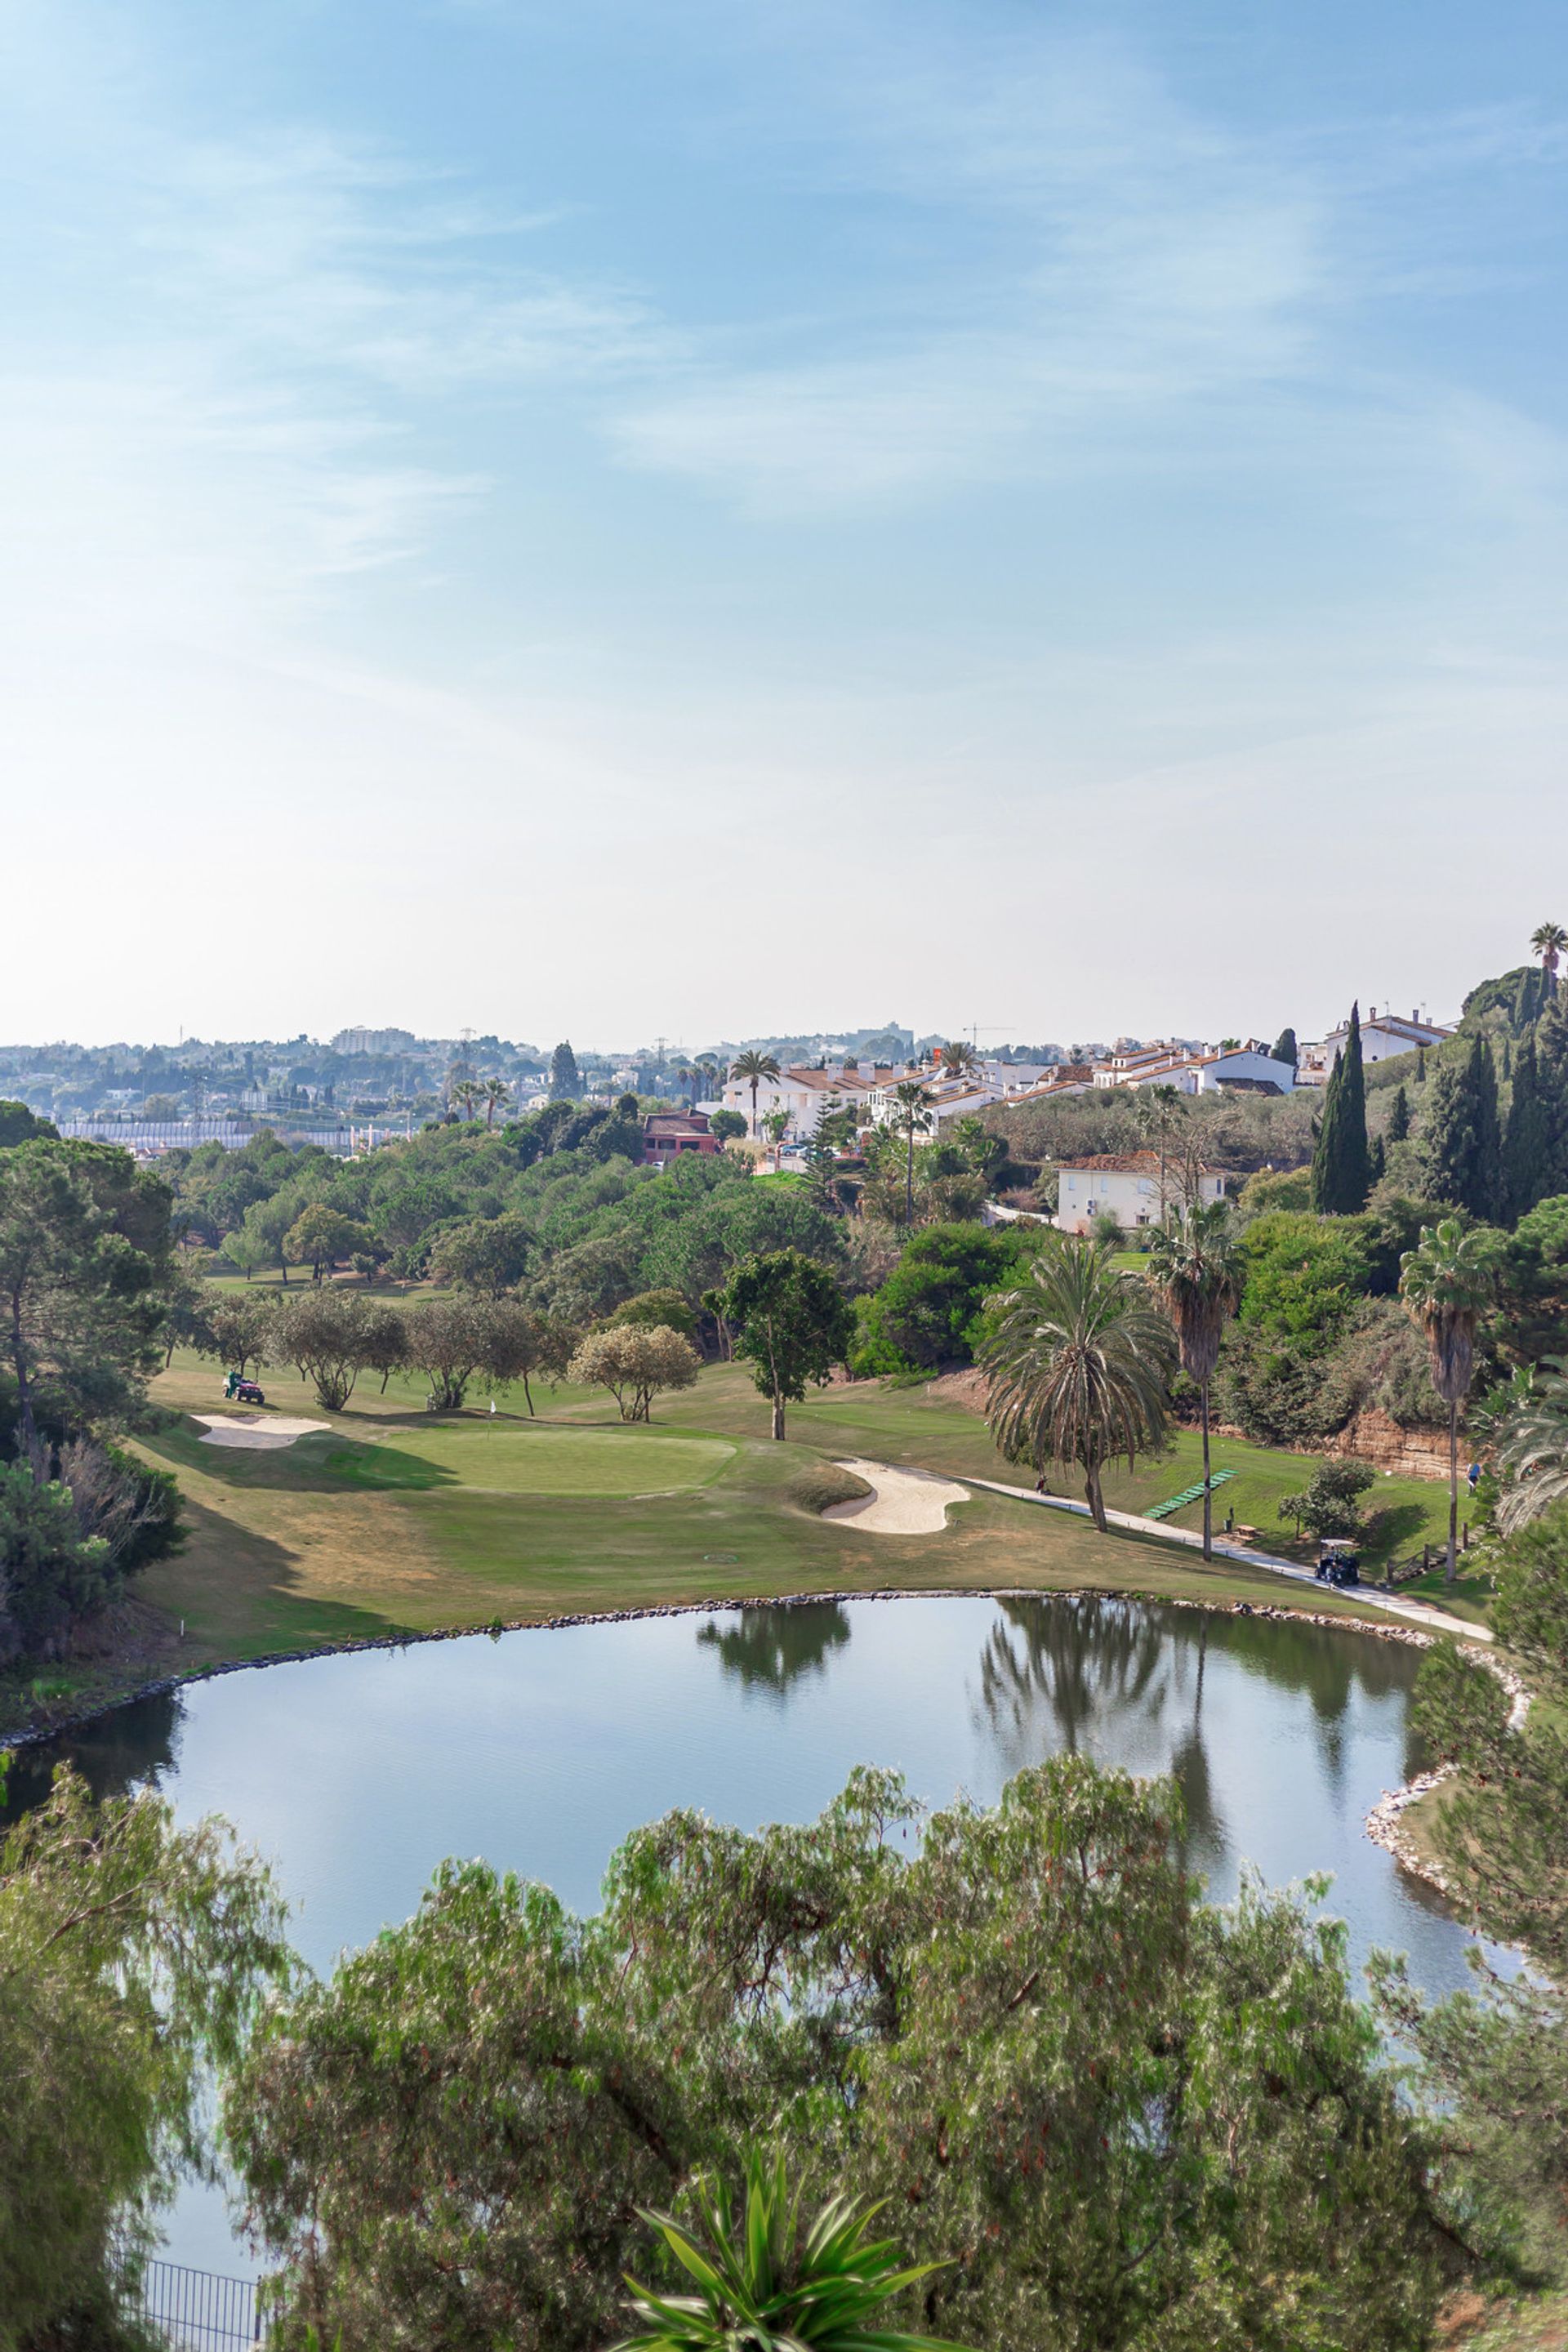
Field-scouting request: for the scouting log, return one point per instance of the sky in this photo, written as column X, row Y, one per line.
column 662, row 517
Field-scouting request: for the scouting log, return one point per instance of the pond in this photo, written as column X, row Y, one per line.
column 356, row 1774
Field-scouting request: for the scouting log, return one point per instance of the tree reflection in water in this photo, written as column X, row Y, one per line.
column 122, row 1750
column 1070, row 1674
column 770, row 1647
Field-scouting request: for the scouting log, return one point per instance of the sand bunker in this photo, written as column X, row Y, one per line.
column 902, row 1502
column 267, row 1435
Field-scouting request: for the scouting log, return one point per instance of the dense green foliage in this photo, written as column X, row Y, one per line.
column 791, row 1321
column 1119, row 2116
column 1342, row 1172
column 131, row 1954
column 930, row 1310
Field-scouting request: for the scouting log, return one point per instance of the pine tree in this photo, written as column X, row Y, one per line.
column 1464, row 1136
column 1286, row 1048
column 1399, row 1117
column 1342, row 1171
column 1526, row 1149
column 565, row 1084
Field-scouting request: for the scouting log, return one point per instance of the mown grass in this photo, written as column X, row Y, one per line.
column 394, row 1520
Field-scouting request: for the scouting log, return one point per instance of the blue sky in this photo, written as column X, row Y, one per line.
column 701, row 519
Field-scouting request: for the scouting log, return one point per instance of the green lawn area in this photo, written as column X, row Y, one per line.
column 395, row 1520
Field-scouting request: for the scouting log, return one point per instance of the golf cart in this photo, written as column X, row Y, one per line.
column 1339, row 1563
column 242, row 1392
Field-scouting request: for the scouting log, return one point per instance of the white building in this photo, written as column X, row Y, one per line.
column 1124, row 1184
column 1249, row 1068
column 804, row 1094
column 1381, row 1037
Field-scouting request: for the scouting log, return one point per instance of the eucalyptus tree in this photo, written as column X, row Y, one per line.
column 1080, row 1365
column 1196, row 1269
column 1445, row 1282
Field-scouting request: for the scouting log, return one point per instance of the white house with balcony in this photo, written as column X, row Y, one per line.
column 1125, row 1185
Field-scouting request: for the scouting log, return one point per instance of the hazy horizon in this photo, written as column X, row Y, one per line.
column 976, row 506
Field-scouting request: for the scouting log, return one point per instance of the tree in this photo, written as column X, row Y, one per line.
column 237, row 1330
column 493, row 1093
column 452, row 1339
column 1548, row 940
column 912, row 1112
column 1528, row 1139
column 634, row 1363
column 487, row 1253
column 84, row 1259
column 1398, row 1128
column 791, row 1323
column 1464, row 1137
column 750, row 1068
column 20, row 1125
column 246, row 1250
column 1530, row 1437
column 185, row 1305
column 465, row 1094
column 385, row 1345
column 1285, row 1048
column 1329, row 1505
column 323, row 1334
column 1080, row 1365
column 1445, row 1282
column 1159, row 1113
column 1196, row 1268
column 1340, row 1173
column 727, row 1125
column 651, row 1307
column 1128, row 2117
column 931, row 1309
column 517, row 1343
column 132, row 1957
column 957, row 1058
column 320, row 1236
column 565, row 1083
column 762, row 2283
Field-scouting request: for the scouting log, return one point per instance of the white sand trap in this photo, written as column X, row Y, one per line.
column 901, row 1503
column 260, row 1435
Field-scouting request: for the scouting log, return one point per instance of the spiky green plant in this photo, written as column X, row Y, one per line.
column 765, row 2287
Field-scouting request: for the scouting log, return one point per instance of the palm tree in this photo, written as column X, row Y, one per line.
column 1195, row 1267
column 761, row 2288
column 465, row 1096
column 958, row 1058
column 1548, row 941
column 1531, row 1437
column 1445, row 1282
column 1158, row 1111
column 492, row 1093
column 1080, row 1365
column 755, row 1066
column 913, row 1113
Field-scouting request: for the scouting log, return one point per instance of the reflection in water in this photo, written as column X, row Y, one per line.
column 127, row 1749
column 771, row 1647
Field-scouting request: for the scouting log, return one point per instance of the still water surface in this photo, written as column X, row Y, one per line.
column 539, row 1750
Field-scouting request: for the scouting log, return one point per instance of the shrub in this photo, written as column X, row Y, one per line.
column 634, row 1364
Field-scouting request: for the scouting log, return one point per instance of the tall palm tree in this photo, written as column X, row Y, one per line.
column 1080, row 1365
column 1532, row 1444
column 465, row 1096
column 1195, row 1267
column 913, row 1115
column 1548, row 941
column 957, row 1058
column 492, row 1093
column 1445, row 1282
column 756, row 1067
column 1159, row 1111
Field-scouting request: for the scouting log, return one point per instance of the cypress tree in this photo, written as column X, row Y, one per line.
column 1378, row 1159
column 1399, row 1117
column 1464, row 1135
column 1286, row 1048
column 1526, row 1151
column 1341, row 1169
column 1420, row 1066
column 1552, row 1084
column 565, row 1083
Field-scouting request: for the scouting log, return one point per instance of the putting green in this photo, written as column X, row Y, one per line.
column 499, row 1457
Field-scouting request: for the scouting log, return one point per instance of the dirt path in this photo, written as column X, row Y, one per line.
column 901, row 1503
column 252, row 1432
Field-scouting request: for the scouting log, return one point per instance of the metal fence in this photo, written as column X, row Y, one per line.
column 197, row 2311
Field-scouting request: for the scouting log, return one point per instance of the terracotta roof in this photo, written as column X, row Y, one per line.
column 1135, row 1163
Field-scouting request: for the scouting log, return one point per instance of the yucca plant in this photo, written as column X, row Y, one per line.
column 763, row 2287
